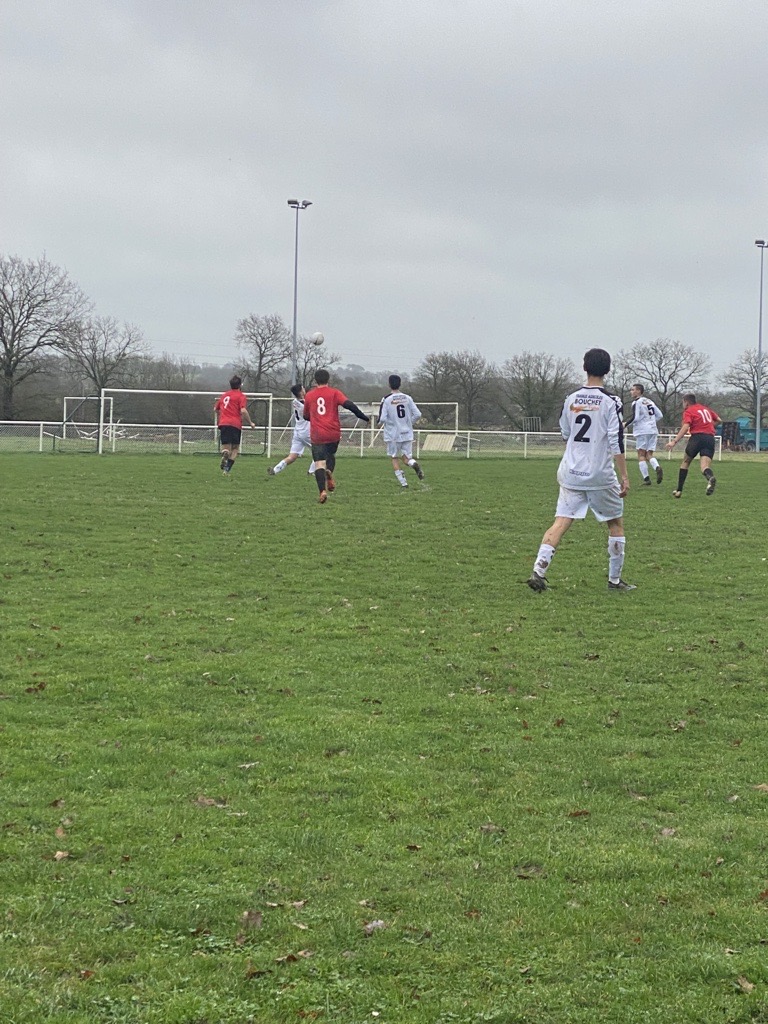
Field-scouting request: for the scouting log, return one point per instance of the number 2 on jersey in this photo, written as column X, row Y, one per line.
column 586, row 423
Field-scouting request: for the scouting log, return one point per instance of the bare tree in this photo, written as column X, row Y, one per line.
column 39, row 309
column 363, row 385
column 533, row 385
column 433, row 377
column 171, row 373
column 463, row 377
column 473, row 379
column 433, row 381
column 265, row 346
column 742, row 375
column 621, row 378
column 668, row 368
column 102, row 351
column 309, row 358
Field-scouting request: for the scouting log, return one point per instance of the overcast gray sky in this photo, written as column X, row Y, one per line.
column 497, row 175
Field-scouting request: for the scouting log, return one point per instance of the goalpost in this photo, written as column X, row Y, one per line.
column 81, row 417
column 79, row 426
column 157, row 421
column 436, row 430
column 142, row 420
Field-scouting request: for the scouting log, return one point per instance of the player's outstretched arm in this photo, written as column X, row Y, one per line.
column 349, row 404
column 681, row 433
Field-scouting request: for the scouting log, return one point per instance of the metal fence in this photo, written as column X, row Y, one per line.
column 359, row 441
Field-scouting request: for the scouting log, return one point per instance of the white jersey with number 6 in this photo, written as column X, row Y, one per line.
column 591, row 424
column 397, row 414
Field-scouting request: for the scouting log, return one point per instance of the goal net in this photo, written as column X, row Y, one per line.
column 174, row 422
column 79, row 427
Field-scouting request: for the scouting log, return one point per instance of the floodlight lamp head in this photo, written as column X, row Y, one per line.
column 305, row 203
column 293, row 202
column 760, row 242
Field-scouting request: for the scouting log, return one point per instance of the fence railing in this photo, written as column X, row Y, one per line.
column 363, row 441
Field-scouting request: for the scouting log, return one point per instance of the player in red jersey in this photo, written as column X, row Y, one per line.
column 699, row 421
column 230, row 408
column 321, row 408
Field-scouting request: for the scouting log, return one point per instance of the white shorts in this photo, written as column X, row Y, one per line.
column 299, row 442
column 647, row 442
column 395, row 448
column 604, row 502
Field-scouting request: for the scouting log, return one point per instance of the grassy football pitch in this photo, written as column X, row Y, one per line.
column 268, row 761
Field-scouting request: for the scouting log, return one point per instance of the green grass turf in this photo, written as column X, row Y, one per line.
column 267, row 761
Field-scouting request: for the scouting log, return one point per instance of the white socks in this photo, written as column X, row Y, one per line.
column 643, row 469
column 655, row 463
column 282, row 464
column 615, row 558
column 401, row 477
column 543, row 559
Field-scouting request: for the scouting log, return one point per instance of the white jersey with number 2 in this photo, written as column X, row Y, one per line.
column 592, row 427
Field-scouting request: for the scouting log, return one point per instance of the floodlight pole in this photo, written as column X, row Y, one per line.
column 761, row 244
column 296, row 205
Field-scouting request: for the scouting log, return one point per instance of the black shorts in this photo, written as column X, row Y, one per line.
column 322, row 452
column 700, row 444
column 231, row 435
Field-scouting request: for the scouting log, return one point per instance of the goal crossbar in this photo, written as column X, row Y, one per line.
column 109, row 395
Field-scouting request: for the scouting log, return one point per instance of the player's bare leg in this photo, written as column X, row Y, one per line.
column 557, row 531
column 547, row 548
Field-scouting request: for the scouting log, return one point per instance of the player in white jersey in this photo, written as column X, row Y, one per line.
column 645, row 417
column 594, row 434
column 397, row 414
column 300, row 439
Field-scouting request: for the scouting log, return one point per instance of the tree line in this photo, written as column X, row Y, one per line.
column 526, row 391
column 52, row 344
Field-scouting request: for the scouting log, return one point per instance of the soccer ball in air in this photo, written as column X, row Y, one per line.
column 317, row 339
